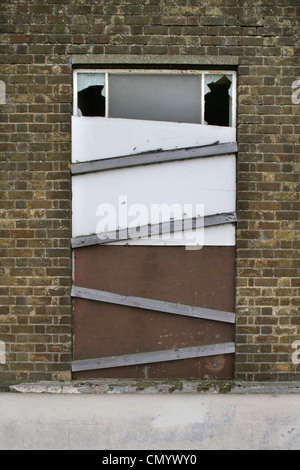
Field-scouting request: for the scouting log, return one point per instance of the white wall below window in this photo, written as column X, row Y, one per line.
column 149, row 422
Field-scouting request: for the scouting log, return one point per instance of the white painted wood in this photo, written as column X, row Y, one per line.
column 154, row 356
column 202, row 98
column 190, row 183
column 94, row 138
column 154, row 305
column 75, row 93
column 234, row 103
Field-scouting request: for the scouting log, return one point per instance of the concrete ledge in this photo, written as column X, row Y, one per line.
column 121, row 386
column 155, row 59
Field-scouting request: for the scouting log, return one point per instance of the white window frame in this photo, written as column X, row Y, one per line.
column 202, row 73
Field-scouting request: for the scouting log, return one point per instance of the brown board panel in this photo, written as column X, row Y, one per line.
column 102, row 329
column 203, row 278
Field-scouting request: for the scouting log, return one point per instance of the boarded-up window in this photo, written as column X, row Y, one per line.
column 153, row 224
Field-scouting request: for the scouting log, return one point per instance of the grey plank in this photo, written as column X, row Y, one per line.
column 153, row 357
column 220, row 219
column 148, row 230
column 150, row 158
column 152, row 304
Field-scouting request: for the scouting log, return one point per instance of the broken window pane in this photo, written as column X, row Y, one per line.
column 218, row 100
column 91, row 94
column 159, row 97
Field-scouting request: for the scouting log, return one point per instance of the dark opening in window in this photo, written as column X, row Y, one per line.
column 91, row 102
column 218, row 103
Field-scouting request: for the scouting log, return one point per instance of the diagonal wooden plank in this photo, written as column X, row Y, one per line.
column 150, row 230
column 150, row 158
column 220, row 219
column 153, row 357
column 151, row 304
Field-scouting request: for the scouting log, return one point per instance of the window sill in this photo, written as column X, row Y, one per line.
column 171, row 386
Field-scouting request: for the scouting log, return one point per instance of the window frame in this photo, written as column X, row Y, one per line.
column 157, row 71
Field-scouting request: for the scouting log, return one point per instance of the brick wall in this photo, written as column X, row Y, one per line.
column 38, row 40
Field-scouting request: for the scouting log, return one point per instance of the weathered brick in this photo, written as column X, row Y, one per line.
column 35, row 176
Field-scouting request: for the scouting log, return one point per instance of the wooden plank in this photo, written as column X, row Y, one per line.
column 153, row 357
column 155, row 229
column 155, row 305
column 150, row 158
column 220, row 219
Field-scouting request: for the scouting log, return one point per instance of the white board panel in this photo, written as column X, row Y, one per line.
column 94, row 138
column 132, row 196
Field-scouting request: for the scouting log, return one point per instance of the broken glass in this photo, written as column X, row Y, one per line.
column 218, row 99
column 91, row 94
